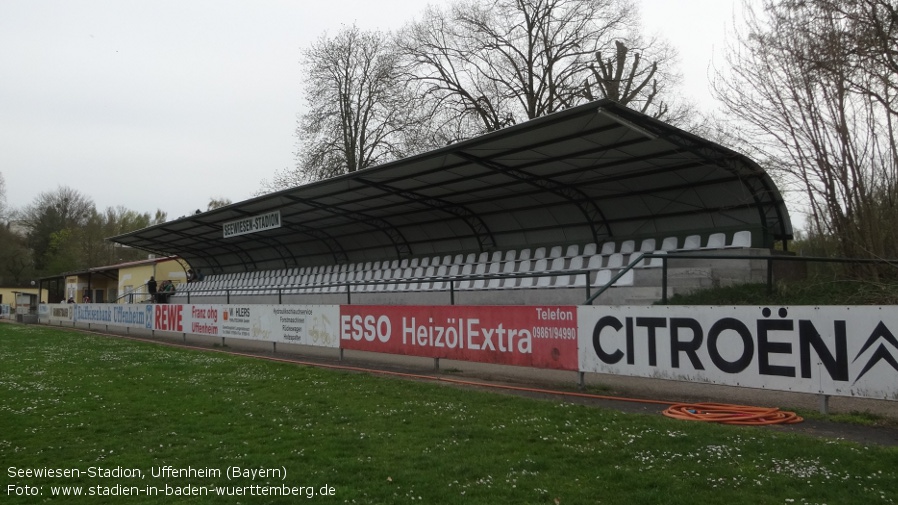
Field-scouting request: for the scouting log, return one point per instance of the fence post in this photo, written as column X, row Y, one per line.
column 824, row 404
column 664, row 280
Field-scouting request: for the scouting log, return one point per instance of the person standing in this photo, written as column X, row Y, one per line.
column 151, row 288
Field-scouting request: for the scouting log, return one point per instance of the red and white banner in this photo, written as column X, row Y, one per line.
column 541, row 337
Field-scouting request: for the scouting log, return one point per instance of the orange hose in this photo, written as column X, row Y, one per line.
column 707, row 412
column 731, row 414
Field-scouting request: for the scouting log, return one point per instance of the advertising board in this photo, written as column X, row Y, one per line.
column 846, row 351
column 542, row 337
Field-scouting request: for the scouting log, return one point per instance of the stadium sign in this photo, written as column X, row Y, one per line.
column 253, row 224
column 846, row 351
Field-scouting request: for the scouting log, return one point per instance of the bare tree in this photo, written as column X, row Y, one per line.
column 813, row 110
column 357, row 107
column 867, row 31
column 49, row 221
column 629, row 77
column 504, row 61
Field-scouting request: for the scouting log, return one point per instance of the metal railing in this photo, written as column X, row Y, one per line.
column 353, row 287
column 769, row 259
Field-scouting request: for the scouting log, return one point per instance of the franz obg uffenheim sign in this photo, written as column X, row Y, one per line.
column 252, row 224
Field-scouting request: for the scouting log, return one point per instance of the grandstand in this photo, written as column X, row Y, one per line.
column 547, row 211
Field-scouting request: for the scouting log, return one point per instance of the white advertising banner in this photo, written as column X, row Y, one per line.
column 844, row 351
column 58, row 313
column 112, row 314
column 293, row 324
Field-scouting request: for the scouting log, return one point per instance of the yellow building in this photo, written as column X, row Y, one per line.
column 8, row 295
column 125, row 282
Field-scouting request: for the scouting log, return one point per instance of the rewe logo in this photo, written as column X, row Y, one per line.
column 169, row 318
column 881, row 353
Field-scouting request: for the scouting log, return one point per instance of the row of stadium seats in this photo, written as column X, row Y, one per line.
column 542, row 267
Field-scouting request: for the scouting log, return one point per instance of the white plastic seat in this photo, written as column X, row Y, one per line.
column 741, row 239
column 555, row 252
column 509, row 283
column 557, row 264
column 526, row 282
column 566, row 280
column 510, row 255
column 480, row 282
column 669, row 244
column 572, row 250
column 654, row 262
column 603, row 277
column 509, row 267
column 579, row 280
column 626, row 279
column 466, row 271
column 545, row 281
column 594, row 262
column 539, row 253
column 495, row 268
column 692, row 242
column 540, row 266
column 616, row 260
column 627, row 247
column 524, row 255
column 647, row 246
column 589, row 249
column 716, row 241
column 440, row 284
column 525, row 267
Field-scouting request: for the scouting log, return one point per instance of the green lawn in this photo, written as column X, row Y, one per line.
column 73, row 401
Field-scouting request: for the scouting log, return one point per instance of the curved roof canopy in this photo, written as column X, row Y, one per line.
column 585, row 174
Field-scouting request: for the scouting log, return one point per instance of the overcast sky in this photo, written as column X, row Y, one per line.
column 166, row 104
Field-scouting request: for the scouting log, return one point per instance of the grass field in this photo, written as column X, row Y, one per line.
column 109, row 408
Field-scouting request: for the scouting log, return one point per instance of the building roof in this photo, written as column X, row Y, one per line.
column 587, row 174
